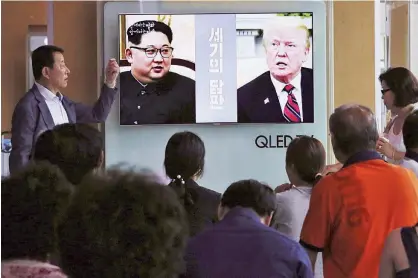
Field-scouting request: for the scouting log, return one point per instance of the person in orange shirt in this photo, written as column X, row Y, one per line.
column 352, row 211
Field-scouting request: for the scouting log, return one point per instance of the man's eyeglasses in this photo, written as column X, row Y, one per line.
column 151, row 52
column 384, row 91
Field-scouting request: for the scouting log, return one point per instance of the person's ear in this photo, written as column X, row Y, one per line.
column 128, row 55
column 222, row 211
column 46, row 72
column 306, row 55
column 331, row 135
column 290, row 169
column 266, row 220
column 101, row 160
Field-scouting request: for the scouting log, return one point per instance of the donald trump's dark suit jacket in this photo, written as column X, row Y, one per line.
column 31, row 117
column 251, row 100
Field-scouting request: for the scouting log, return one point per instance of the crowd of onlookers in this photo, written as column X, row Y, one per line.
column 65, row 216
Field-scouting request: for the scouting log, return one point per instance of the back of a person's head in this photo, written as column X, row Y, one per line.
column 75, row 148
column 250, row 194
column 32, row 203
column 353, row 129
column 305, row 157
column 123, row 224
column 410, row 131
column 184, row 160
column 403, row 84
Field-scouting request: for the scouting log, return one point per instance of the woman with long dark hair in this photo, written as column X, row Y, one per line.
column 184, row 164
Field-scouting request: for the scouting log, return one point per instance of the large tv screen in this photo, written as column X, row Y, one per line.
column 216, row 68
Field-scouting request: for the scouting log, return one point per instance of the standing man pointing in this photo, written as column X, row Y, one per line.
column 44, row 107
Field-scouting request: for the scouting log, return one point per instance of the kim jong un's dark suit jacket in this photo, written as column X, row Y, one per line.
column 31, row 117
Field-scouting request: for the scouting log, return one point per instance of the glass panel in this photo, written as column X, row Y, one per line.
column 384, row 59
column 35, row 40
column 413, row 37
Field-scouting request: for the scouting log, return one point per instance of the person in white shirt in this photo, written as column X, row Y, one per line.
column 43, row 107
column 284, row 93
column 410, row 138
column 400, row 96
column 305, row 160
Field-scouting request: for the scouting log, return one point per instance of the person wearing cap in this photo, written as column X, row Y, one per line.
column 150, row 92
column 284, row 93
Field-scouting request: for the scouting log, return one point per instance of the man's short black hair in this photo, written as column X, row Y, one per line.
column 250, row 194
column 75, row 148
column 33, row 201
column 410, row 131
column 136, row 30
column 403, row 84
column 42, row 57
column 123, row 224
column 353, row 128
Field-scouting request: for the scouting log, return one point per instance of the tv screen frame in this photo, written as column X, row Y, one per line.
column 231, row 150
column 318, row 8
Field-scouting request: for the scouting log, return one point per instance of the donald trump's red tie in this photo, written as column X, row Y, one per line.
column 291, row 110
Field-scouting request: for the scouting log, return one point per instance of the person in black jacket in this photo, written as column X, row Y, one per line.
column 284, row 93
column 184, row 163
column 150, row 93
